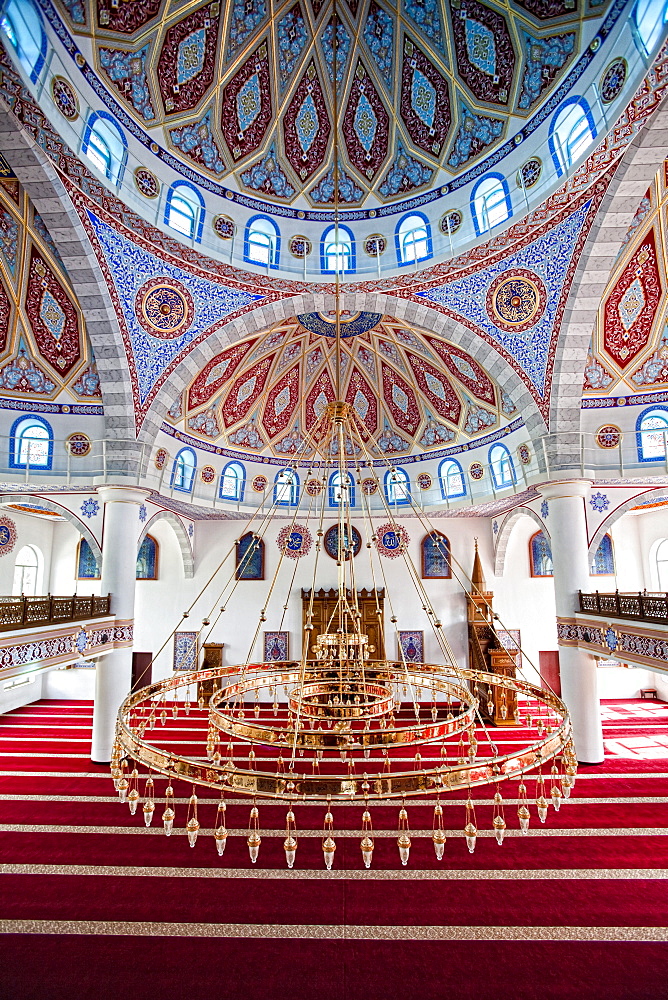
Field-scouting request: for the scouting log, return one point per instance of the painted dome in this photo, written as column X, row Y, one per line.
column 411, row 390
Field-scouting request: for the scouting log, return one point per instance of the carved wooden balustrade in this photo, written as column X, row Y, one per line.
column 641, row 606
column 27, row 612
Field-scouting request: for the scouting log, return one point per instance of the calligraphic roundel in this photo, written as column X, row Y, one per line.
column 631, row 307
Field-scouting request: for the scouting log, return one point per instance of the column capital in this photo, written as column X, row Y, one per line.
column 123, row 494
column 565, row 488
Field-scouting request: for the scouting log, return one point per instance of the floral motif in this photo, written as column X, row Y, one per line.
column 524, row 454
column 65, row 98
column 205, row 423
column 161, row 457
column 292, row 36
column 196, row 141
column 259, row 484
column 608, row 436
column 223, row 227
column 147, row 182
column 323, row 192
column 476, row 470
column 476, row 133
column 599, row 502
column 8, row 535
column 424, row 481
column 391, row 540
column 544, row 509
column 78, row 444
column 450, row 222
column 90, row 507
column 544, row 58
column 164, row 308
column 314, row 487
column 405, row 174
column 516, row 300
column 294, row 541
column 369, row 487
column 127, row 71
column 266, row 176
column 300, row 246
column 613, row 80
column 143, row 513
column 478, row 418
column 208, row 474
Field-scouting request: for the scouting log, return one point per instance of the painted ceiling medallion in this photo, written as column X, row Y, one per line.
column 246, row 107
column 294, row 541
column 52, row 316
column 126, row 17
column 516, row 300
column 365, row 125
column 425, row 101
column 306, row 126
column 392, row 540
column 630, row 309
column 164, row 308
column 65, row 98
column 187, row 60
column 484, row 50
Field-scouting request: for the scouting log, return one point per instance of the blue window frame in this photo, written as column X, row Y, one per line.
column 540, row 555
column 603, row 563
column 184, row 210
column 21, row 25
column 183, row 470
column 501, row 464
column 87, row 568
column 412, row 239
column 147, row 559
column 250, row 557
column 337, row 250
column 286, row 488
column 435, row 557
column 105, row 145
column 232, row 482
column 572, row 130
column 30, row 444
column 649, row 18
column 490, row 203
column 262, row 242
column 337, row 484
column 397, row 487
column 451, row 478
column 652, row 434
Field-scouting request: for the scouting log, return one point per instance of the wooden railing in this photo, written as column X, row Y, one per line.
column 27, row 612
column 641, row 606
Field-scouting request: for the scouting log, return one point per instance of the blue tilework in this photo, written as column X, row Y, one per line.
column 292, row 36
column 480, row 47
column 196, row 141
column 266, row 175
column 544, row 58
column 425, row 14
column 127, row 70
column 379, row 36
column 549, row 257
column 405, row 173
column 9, row 233
column 342, row 53
column 246, row 16
column 475, row 132
column 323, row 192
column 131, row 267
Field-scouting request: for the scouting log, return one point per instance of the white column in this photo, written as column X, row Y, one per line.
column 119, row 566
column 566, row 523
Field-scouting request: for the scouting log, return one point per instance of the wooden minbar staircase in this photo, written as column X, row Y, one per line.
column 486, row 652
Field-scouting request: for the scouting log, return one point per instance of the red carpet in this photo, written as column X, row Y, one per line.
column 92, row 905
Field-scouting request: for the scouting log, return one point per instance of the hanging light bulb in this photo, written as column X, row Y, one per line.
column 149, row 804
column 499, row 822
column 438, row 833
column 122, row 788
column 328, row 843
column 403, row 840
column 290, row 842
column 367, row 840
column 133, row 791
column 523, row 808
column 192, row 826
column 470, row 830
column 541, row 801
column 254, row 839
column 169, row 813
column 220, row 831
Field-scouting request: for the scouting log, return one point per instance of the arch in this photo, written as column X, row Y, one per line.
column 652, row 434
column 397, row 487
column 37, row 174
column 147, row 558
column 337, row 254
column 435, row 556
column 182, row 538
column 81, row 526
column 262, row 242
column 31, row 443
column 336, row 486
column 87, row 565
column 540, row 555
column 412, row 239
column 249, row 557
column 491, row 204
column 505, row 531
column 28, row 571
column 184, row 468
column 572, row 130
column 286, row 488
column 185, row 209
column 648, row 19
column 105, row 145
column 232, row 482
column 501, row 466
column 659, row 568
column 452, row 479
column 23, row 27
column 603, row 563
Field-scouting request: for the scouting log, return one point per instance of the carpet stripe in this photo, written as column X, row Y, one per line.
column 632, row 831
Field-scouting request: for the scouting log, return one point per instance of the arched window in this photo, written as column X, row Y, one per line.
column 540, row 555
column 250, row 557
column 451, row 478
column 662, row 565
column 147, row 559
column 232, row 482
column 603, row 563
column 286, row 488
column 184, row 210
column 105, row 146
column 28, row 572
column 501, row 464
column 337, row 485
column 183, row 470
column 652, row 434
column 490, row 203
column 397, row 486
column 571, row 131
column 412, row 238
column 262, row 242
column 22, row 27
column 30, row 444
column 87, row 568
column 435, row 557
column 337, row 250
column 649, row 19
